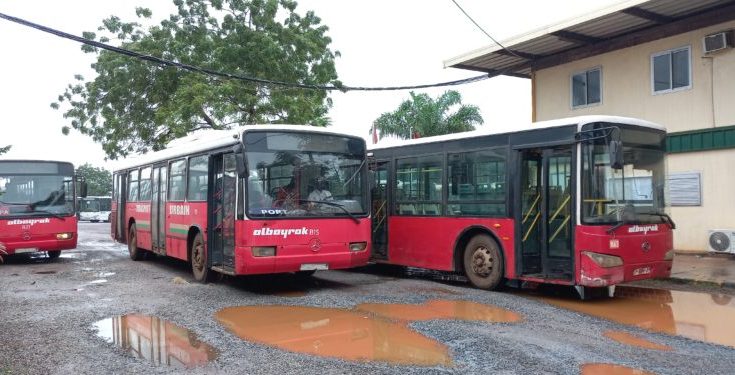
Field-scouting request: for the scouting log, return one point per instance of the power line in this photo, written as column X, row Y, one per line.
column 486, row 33
column 192, row 68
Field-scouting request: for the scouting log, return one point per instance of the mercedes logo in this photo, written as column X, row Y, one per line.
column 646, row 246
column 315, row 244
column 26, row 236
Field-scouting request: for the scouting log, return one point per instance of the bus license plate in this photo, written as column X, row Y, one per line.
column 641, row 271
column 314, row 267
column 26, row 250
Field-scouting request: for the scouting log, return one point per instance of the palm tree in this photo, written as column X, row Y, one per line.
column 422, row 116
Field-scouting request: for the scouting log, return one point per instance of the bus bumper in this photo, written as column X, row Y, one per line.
column 26, row 247
column 295, row 258
column 593, row 275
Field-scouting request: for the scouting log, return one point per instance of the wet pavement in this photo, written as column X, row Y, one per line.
column 94, row 311
column 718, row 269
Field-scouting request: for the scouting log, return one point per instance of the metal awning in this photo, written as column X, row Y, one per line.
column 619, row 26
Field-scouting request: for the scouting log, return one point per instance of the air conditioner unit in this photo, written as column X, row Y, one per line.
column 722, row 241
column 718, row 41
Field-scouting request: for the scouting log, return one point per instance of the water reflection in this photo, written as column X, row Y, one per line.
column 338, row 333
column 156, row 340
column 698, row 316
column 633, row 340
column 610, row 369
column 443, row 309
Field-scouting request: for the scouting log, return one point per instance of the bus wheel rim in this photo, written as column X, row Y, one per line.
column 198, row 256
column 482, row 262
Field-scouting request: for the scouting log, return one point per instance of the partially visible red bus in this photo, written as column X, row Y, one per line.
column 37, row 212
column 578, row 201
column 259, row 200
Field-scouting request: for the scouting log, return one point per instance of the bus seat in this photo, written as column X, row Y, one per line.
column 431, row 209
column 407, row 209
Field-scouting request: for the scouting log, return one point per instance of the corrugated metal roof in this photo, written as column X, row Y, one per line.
column 618, row 26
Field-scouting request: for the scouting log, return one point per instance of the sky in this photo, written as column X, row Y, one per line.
column 382, row 43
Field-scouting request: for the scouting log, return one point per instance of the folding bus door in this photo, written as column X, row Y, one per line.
column 379, row 211
column 158, row 210
column 545, row 217
column 222, row 213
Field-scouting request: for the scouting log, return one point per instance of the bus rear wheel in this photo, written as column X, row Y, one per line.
column 199, row 268
column 483, row 263
column 53, row 254
column 133, row 250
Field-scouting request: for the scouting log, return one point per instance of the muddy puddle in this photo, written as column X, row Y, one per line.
column 700, row 316
column 369, row 332
column 442, row 309
column 337, row 333
column 633, row 340
column 155, row 340
column 610, row 369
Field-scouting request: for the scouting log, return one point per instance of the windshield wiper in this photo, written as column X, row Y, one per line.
column 328, row 203
column 616, row 226
column 53, row 214
column 664, row 216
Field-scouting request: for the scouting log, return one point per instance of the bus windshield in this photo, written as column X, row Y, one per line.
column 33, row 195
column 294, row 174
column 634, row 194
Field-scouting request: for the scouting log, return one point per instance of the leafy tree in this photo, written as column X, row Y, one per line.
column 423, row 116
column 4, row 149
column 133, row 105
column 99, row 180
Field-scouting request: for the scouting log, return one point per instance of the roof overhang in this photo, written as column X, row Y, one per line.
column 622, row 25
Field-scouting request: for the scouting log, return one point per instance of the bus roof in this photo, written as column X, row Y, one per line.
column 579, row 121
column 204, row 140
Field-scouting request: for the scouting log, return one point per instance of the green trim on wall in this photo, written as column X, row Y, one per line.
column 701, row 140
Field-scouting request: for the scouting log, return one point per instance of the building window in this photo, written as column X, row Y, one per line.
column 685, row 189
column 671, row 70
column 587, row 88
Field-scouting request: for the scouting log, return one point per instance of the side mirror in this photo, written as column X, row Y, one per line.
column 616, row 154
column 242, row 172
column 83, row 189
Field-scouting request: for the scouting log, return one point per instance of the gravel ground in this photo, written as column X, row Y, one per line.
column 46, row 321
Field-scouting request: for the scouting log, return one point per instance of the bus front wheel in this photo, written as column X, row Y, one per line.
column 483, row 263
column 133, row 250
column 199, row 267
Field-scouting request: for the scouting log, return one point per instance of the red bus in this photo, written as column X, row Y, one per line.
column 578, row 201
column 259, row 200
column 37, row 212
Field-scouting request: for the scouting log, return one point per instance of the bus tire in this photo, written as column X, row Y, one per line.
column 199, row 268
column 53, row 254
column 133, row 250
column 483, row 263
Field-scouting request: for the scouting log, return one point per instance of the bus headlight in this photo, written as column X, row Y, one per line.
column 604, row 261
column 264, row 251
column 64, row 236
column 669, row 255
column 358, row 246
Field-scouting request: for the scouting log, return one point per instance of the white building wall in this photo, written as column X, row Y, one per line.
column 627, row 91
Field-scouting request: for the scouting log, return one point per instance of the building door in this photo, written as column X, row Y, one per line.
column 222, row 215
column 545, row 218
column 379, row 210
column 158, row 210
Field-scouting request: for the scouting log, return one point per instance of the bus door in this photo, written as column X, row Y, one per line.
column 158, row 210
column 222, row 214
column 545, row 217
column 379, row 199
column 118, row 217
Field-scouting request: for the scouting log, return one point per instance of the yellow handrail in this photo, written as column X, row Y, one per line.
column 560, row 208
column 533, row 224
column 533, row 205
column 566, row 220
